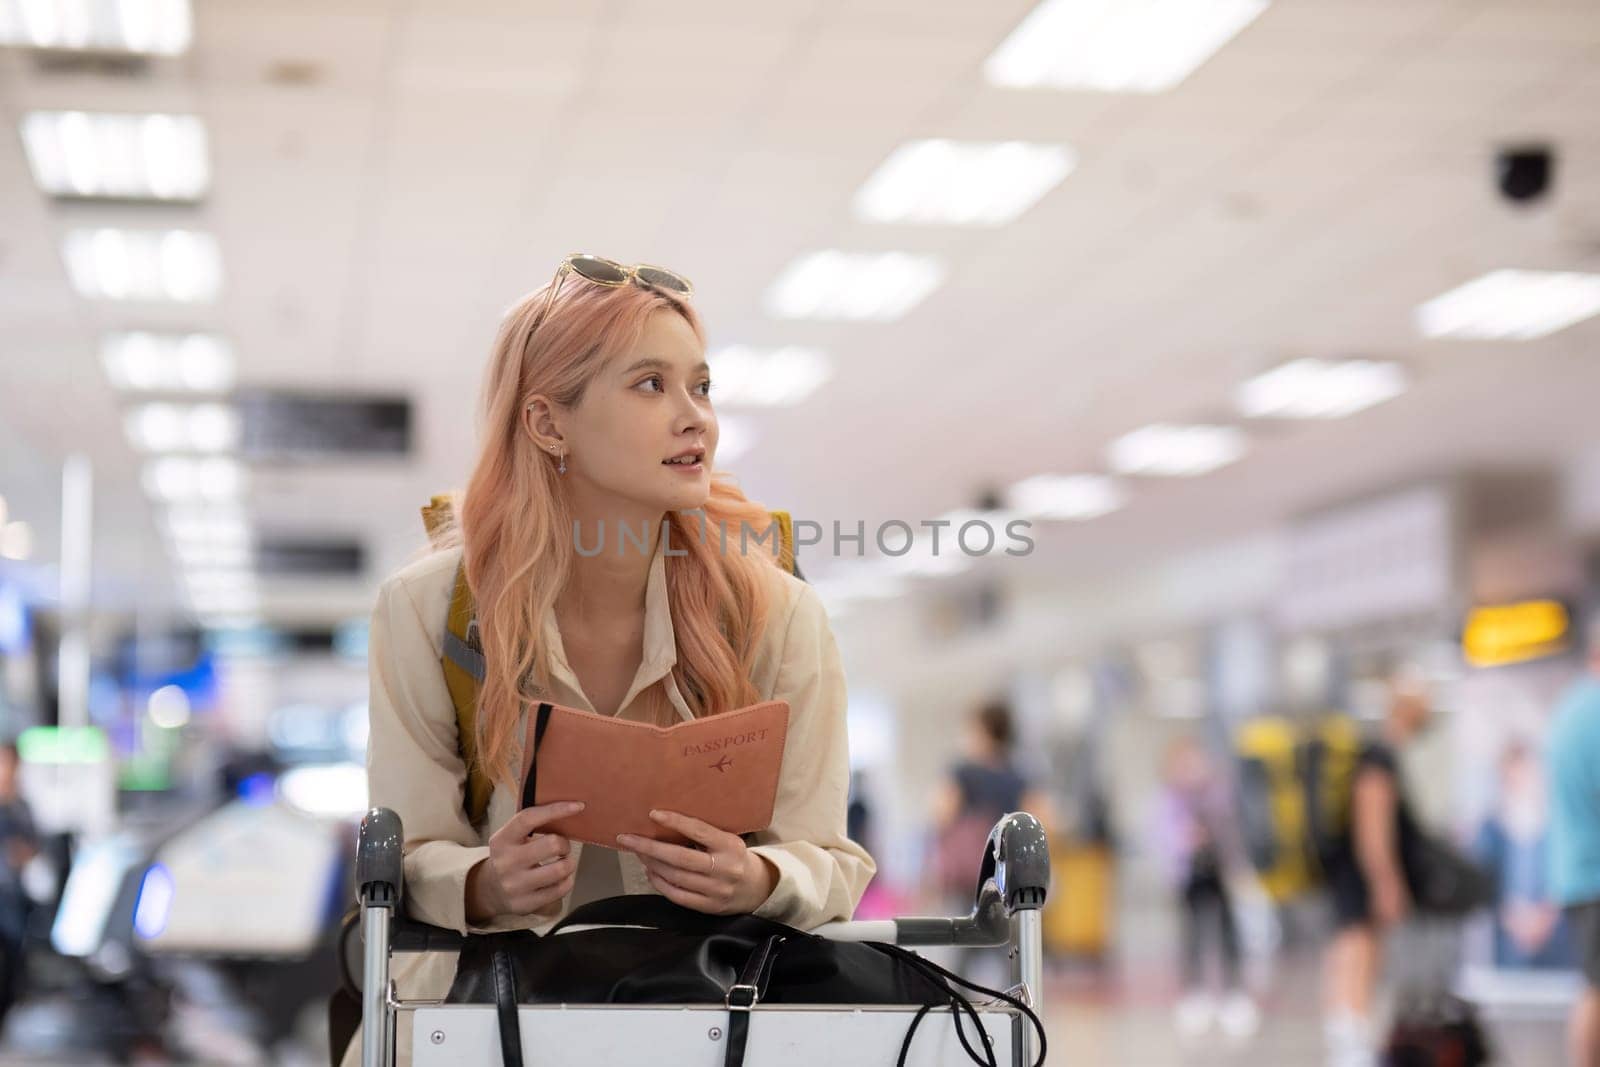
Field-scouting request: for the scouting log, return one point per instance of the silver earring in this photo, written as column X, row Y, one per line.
column 563, row 468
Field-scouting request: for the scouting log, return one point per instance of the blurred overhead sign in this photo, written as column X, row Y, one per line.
column 1515, row 633
column 278, row 424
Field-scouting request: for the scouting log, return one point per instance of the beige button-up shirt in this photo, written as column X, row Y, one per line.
column 415, row 767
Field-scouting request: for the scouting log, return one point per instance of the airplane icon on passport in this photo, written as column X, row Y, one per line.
column 722, row 764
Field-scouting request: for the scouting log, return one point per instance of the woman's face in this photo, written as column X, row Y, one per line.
column 647, row 406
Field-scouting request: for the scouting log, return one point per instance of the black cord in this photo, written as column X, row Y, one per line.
column 924, row 965
column 911, row 1031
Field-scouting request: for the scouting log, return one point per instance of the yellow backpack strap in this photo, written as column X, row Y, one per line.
column 436, row 517
column 463, row 666
column 786, row 556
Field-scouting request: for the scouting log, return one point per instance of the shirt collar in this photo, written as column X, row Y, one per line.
column 660, row 653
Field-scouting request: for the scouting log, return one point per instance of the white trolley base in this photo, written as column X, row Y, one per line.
column 646, row 1036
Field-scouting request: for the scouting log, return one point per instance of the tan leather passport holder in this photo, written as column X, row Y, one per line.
column 722, row 769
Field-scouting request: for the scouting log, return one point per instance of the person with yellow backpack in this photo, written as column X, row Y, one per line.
column 595, row 560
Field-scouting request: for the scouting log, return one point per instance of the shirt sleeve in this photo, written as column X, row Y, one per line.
column 821, row 872
column 414, row 764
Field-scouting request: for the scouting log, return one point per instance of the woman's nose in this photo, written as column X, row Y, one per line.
column 690, row 415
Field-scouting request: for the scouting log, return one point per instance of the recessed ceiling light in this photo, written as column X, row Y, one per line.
column 1176, row 451
column 167, row 363
column 183, row 428
column 1076, row 497
column 853, row 286
column 1320, row 388
column 151, row 27
column 153, row 265
column 962, row 183
column 177, row 478
column 1512, row 305
column 111, row 156
column 1119, row 46
column 776, row 377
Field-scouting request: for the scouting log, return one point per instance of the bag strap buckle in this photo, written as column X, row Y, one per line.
column 742, row 996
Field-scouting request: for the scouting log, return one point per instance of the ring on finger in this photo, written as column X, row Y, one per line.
column 713, row 869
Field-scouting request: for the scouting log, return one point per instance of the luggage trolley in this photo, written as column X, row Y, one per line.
column 1013, row 879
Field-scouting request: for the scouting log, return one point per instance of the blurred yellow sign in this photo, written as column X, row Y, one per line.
column 1515, row 633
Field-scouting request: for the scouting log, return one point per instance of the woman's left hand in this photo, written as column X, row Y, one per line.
column 723, row 877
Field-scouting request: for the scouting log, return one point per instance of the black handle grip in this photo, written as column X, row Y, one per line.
column 380, row 859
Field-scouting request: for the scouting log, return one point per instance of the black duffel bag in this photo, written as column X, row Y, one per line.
column 645, row 949
column 1446, row 882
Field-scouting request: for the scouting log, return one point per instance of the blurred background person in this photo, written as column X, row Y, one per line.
column 1514, row 843
column 1368, row 876
column 982, row 785
column 20, row 841
column 1574, row 760
column 1197, row 850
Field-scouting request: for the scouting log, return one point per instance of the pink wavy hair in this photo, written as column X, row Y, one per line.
column 514, row 523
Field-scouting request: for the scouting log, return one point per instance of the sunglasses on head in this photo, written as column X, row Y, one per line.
column 604, row 271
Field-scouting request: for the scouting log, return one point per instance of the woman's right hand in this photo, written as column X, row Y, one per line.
column 526, row 871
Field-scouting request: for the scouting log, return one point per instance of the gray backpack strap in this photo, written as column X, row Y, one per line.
column 465, row 655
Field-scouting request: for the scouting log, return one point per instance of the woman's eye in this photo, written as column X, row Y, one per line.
column 705, row 387
column 653, row 379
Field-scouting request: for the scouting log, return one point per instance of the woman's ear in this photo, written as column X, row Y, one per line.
column 541, row 424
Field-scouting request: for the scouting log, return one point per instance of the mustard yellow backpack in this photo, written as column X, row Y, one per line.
column 462, row 660
column 1295, row 783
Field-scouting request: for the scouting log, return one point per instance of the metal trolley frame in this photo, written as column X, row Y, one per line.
column 1013, row 880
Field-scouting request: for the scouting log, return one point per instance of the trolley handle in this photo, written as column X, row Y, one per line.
column 380, row 859
column 1017, row 857
column 1013, row 876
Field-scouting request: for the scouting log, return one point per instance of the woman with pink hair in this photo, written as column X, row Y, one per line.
column 606, row 562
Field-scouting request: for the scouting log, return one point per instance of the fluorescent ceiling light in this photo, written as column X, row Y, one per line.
column 853, row 286
column 156, row 265
column 996, row 518
column 168, row 363
column 922, row 559
column 1118, row 46
column 1320, row 388
column 178, row 478
column 129, row 157
column 1176, row 451
column 1075, row 497
column 199, row 555
column 218, row 581
column 183, row 428
column 202, row 524
column 225, row 602
column 1512, row 305
column 775, row 377
column 152, row 27
column 962, row 183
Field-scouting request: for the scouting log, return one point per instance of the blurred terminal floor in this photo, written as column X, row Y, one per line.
column 1092, row 1020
